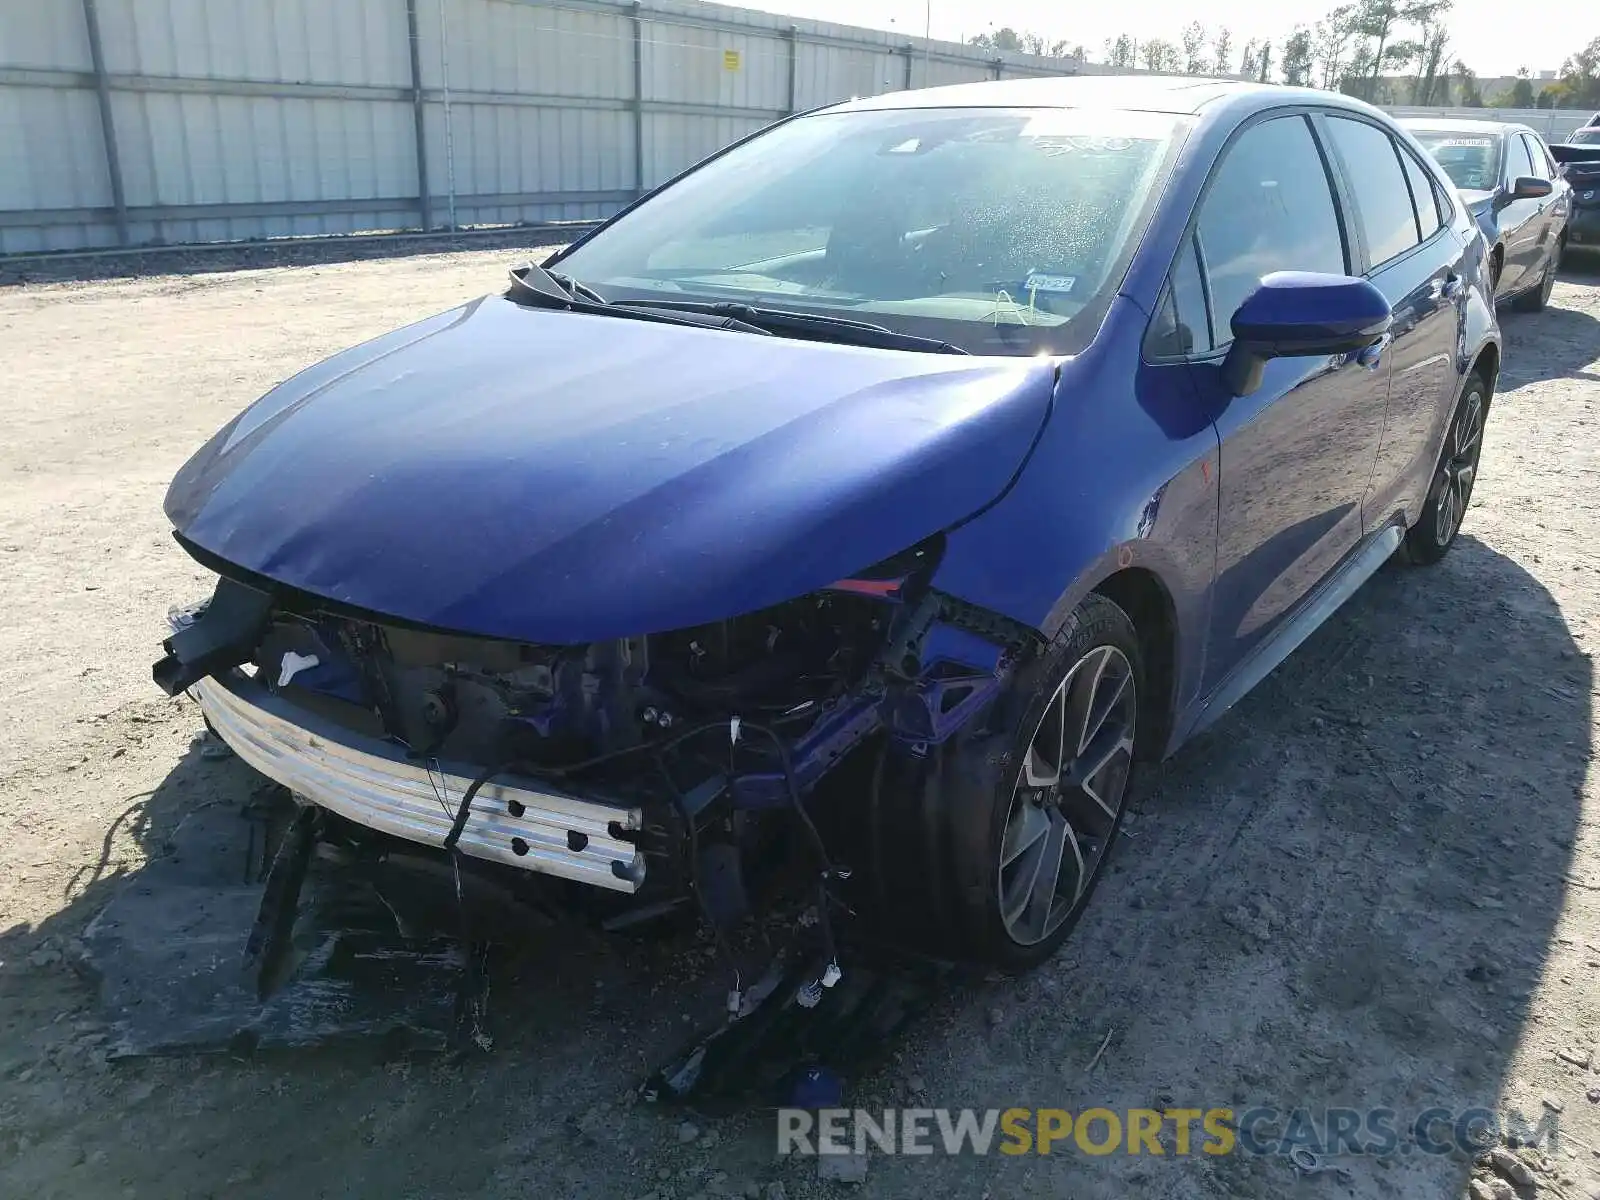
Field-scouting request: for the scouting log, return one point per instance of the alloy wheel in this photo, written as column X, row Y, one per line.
column 1460, row 467
column 1068, row 795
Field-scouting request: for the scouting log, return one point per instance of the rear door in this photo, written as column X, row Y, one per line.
column 1410, row 254
column 1297, row 454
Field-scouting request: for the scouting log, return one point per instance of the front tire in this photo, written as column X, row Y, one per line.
column 1436, row 529
column 989, row 849
column 1536, row 300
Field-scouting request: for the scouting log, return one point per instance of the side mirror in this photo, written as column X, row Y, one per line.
column 1296, row 314
column 1530, row 187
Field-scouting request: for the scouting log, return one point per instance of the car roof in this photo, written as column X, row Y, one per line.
column 1461, row 125
column 1179, row 94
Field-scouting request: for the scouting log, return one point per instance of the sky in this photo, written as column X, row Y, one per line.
column 1484, row 33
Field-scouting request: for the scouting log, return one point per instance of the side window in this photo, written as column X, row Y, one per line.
column 1181, row 326
column 1372, row 164
column 1269, row 208
column 1424, row 195
column 1190, row 295
column 1536, row 157
column 1518, row 161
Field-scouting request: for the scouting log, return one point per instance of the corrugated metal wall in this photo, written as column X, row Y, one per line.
column 223, row 120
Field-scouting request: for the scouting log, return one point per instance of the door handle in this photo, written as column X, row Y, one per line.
column 1373, row 354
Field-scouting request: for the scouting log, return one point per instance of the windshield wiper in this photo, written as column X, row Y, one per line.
column 782, row 320
column 557, row 291
column 577, row 287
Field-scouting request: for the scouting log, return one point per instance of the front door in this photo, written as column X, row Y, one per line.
column 1521, row 222
column 1298, row 452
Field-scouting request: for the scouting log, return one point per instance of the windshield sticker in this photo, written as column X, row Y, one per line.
column 1481, row 142
column 1058, row 285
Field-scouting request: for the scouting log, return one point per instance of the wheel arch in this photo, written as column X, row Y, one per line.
column 1141, row 594
column 1487, row 365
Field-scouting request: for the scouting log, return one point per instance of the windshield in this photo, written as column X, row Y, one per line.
column 1001, row 231
column 1472, row 160
column 1585, row 137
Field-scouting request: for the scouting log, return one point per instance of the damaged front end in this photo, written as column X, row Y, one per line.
column 623, row 779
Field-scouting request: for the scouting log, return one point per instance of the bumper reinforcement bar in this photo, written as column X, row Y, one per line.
column 373, row 784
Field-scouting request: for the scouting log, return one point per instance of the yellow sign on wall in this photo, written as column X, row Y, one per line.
column 730, row 60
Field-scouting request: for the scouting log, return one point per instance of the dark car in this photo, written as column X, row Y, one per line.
column 1513, row 188
column 1579, row 161
column 861, row 507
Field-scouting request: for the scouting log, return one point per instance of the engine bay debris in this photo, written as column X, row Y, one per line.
column 257, row 933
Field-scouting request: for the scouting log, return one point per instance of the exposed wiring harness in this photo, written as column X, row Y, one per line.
column 831, row 972
column 736, row 996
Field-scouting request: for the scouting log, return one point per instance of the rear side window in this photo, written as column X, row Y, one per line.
column 1269, row 208
column 1519, row 163
column 1372, row 163
column 1424, row 195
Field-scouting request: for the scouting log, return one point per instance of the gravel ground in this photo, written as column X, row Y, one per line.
column 1373, row 885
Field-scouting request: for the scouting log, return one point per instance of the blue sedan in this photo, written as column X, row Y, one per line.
column 863, row 507
column 1513, row 187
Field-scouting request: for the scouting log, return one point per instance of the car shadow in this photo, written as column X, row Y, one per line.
column 1558, row 343
column 1344, row 895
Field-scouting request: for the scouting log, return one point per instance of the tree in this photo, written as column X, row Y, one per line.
column 1330, row 46
column 1580, row 77
column 1265, row 74
column 1467, row 86
column 1297, row 58
column 1001, row 39
column 1027, row 43
column 1249, row 60
column 1194, row 49
column 1427, row 49
column 1121, row 52
column 1376, row 21
column 1222, row 51
column 1519, row 94
column 1431, row 87
column 1159, row 55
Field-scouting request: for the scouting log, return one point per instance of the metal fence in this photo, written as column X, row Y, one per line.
column 140, row 122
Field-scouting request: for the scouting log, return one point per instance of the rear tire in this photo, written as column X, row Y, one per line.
column 1450, row 492
column 989, row 848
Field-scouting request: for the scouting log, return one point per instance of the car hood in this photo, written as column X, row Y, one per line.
column 556, row 477
column 1477, row 202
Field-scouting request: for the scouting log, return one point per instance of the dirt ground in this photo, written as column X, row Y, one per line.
column 1375, row 884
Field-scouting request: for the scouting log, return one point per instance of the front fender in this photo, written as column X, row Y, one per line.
column 1124, row 478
